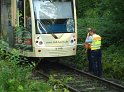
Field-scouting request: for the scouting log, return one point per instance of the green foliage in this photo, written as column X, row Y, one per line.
column 112, row 57
column 58, row 84
column 113, row 65
column 84, row 5
column 16, row 78
column 104, row 16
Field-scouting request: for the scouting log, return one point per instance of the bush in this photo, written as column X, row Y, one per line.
column 15, row 78
column 113, row 65
column 112, row 53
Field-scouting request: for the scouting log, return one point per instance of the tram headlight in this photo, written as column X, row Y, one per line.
column 73, row 40
column 70, row 25
column 39, row 42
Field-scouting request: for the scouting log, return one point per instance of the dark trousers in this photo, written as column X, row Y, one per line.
column 96, row 62
column 89, row 59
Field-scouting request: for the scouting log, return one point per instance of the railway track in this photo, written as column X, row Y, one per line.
column 80, row 81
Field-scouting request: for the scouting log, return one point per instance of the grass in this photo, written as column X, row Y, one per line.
column 17, row 78
column 14, row 78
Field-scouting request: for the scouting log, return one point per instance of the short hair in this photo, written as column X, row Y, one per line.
column 91, row 30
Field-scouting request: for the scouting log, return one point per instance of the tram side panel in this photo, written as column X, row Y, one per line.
column 13, row 30
column 20, row 17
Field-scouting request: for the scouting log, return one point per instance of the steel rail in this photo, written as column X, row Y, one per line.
column 44, row 75
column 66, row 86
column 71, row 88
column 110, row 83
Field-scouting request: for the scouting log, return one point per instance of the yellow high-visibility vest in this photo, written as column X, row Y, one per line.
column 96, row 42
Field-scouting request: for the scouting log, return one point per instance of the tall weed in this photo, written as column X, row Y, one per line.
column 16, row 78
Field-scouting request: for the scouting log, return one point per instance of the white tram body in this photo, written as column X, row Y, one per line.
column 40, row 28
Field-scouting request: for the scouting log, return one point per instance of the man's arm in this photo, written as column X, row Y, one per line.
column 89, row 39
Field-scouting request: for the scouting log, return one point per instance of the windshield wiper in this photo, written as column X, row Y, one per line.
column 41, row 26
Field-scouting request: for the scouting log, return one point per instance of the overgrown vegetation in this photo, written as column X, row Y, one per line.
column 113, row 64
column 17, row 78
column 106, row 17
column 14, row 78
column 112, row 55
column 58, row 84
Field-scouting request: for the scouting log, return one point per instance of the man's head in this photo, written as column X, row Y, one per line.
column 91, row 31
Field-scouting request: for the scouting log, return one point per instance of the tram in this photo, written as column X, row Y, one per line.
column 40, row 28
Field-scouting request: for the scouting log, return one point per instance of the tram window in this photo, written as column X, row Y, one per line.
column 52, row 17
column 27, row 15
column 21, row 12
column 20, row 4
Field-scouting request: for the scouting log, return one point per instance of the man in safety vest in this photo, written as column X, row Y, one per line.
column 95, row 45
column 88, row 50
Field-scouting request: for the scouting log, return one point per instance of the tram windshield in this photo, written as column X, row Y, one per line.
column 54, row 16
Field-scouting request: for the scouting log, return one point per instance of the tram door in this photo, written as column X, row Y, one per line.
column 27, row 25
column 24, row 13
column 24, row 36
column 27, row 22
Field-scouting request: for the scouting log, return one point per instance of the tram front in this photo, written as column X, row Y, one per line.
column 54, row 30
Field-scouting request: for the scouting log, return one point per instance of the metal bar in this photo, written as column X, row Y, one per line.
column 118, row 86
column 113, row 86
column 71, row 88
column 80, row 44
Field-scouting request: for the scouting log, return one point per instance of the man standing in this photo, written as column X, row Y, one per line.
column 88, row 50
column 95, row 42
